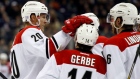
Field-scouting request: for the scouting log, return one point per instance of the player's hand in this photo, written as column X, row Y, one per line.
column 72, row 24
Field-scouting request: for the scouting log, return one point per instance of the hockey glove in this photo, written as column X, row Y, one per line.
column 72, row 24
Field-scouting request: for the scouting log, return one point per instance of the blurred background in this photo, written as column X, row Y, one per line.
column 60, row 10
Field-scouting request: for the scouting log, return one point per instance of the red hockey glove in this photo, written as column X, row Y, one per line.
column 72, row 24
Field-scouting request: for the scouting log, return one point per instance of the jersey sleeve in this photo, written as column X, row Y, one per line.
column 51, row 70
column 97, row 49
column 38, row 44
column 115, row 62
column 58, row 42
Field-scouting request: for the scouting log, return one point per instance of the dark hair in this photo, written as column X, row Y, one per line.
column 84, row 48
column 129, row 27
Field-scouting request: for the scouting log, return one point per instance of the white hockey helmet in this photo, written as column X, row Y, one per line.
column 3, row 56
column 33, row 7
column 127, row 11
column 86, row 34
column 94, row 19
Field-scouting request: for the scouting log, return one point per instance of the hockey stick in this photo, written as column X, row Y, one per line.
column 2, row 76
column 134, row 62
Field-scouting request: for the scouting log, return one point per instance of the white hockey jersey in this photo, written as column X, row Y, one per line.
column 31, row 49
column 73, row 64
column 98, row 47
column 119, row 52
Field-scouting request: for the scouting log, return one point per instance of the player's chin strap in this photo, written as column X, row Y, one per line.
column 134, row 62
column 37, row 24
column 117, row 28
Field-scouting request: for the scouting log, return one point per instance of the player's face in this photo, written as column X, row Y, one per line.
column 43, row 21
column 116, row 23
column 113, row 28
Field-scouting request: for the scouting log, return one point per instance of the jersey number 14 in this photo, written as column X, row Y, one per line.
column 73, row 73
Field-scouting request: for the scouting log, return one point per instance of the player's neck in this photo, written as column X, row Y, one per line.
column 120, row 30
column 26, row 25
column 84, row 50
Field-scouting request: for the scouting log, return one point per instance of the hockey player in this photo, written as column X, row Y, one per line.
column 31, row 48
column 79, row 63
column 98, row 47
column 4, row 65
column 120, row 51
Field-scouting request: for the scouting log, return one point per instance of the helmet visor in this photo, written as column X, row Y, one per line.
column 110, row 18
column 48, row 18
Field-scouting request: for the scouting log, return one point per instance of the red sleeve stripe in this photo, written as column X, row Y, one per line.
column 55, row 43
column 47, row 52
column 51, row 47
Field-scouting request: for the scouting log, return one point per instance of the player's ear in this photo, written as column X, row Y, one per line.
column 33, row 18
column 118, row 22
